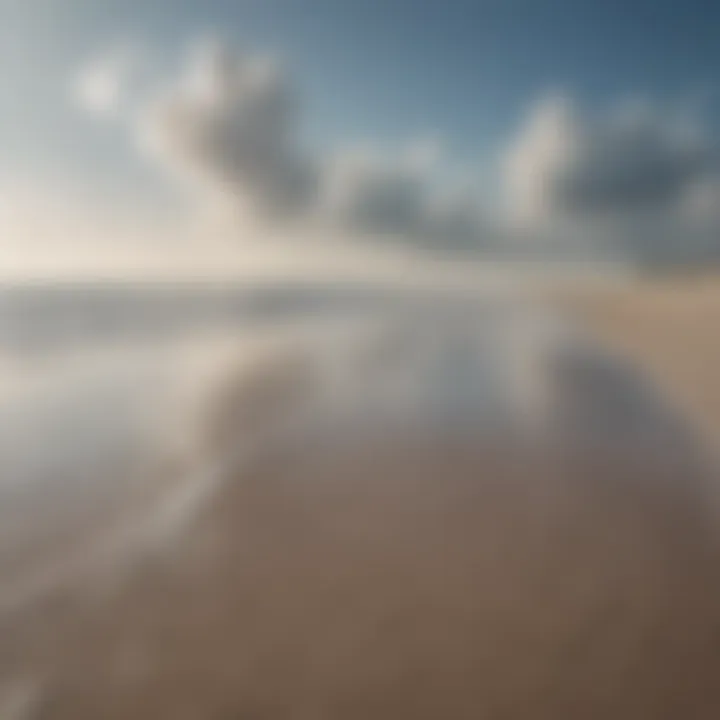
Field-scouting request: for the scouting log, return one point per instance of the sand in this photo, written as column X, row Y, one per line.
column 670, row 328
column 401, row 572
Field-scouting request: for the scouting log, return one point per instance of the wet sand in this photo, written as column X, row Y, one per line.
column 406, row 571
column 668, row 327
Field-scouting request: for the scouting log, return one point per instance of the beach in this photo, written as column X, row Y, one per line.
column 455, row 511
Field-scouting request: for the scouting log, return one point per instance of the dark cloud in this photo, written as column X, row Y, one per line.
column 379, row 195
column 628, row 182
column 641, row 164
column 229, row 125
column 397, row 195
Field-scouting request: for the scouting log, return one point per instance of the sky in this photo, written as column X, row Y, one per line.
column 583, row 126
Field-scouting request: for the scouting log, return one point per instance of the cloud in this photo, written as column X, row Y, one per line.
column 101, row 86
column 376, row 193
column 543, row 148
column 228, row 127
column 396, row 195
column 635, row 182
column 634, row 160
column 626, row 179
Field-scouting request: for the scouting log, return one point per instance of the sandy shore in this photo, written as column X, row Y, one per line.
column 404, row 576
column 401, row 572
column 414, row 580
column 669, row 328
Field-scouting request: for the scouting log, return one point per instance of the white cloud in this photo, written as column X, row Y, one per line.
column 547, row 144
column 101, row 86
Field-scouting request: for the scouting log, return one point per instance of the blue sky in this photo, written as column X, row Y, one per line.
column 380, row 70
column 375, row 68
